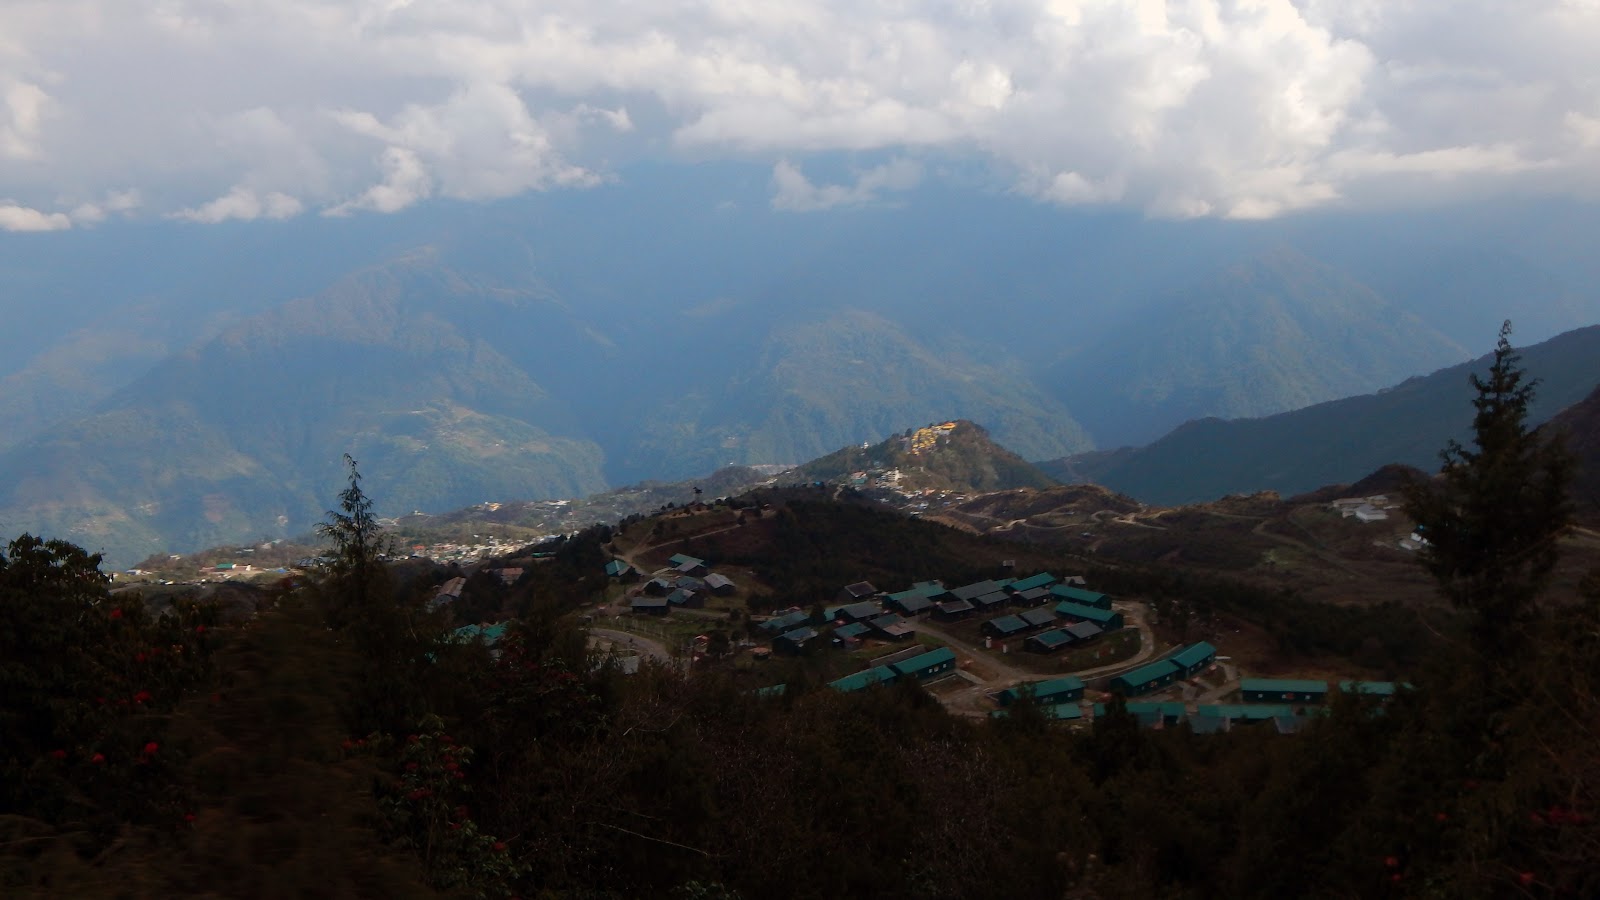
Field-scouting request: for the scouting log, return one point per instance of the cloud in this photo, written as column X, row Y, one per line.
column 405, row 181
column 22, row 218
column 243, row 204
column 1243, row 108
column 793, row 192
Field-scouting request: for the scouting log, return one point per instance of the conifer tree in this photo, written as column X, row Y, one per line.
column 1495, row 514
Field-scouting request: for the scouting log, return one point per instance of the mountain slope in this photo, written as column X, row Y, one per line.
column 1333, row 442
column 1580, row 423
column 951, row 456
column 240, row 437
column 1279, row 332
column 847, row 377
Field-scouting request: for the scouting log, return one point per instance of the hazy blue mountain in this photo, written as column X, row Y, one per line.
column 1276, row 333
column 850, row 377
column 1331, row 443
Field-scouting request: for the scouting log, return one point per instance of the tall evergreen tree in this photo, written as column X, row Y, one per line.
column 1495, row 514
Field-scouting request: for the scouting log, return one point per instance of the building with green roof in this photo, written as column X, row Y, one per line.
column 1244, row 712
column 1049, row 641
column 1373, row 688
column 1147, row 678
column 860, row 681
column 1194, row 658
column 1282, row 690
column 1041, row 580
column 1004, row 626
column 1080, row 596
column 928, row 665
column 1061, row 712
column 1108, row 620
column 1067, row 689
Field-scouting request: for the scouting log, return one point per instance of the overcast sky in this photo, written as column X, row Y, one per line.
column 214, row 110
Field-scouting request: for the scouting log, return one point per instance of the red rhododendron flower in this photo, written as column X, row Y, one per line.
column 347, row 744
column 58, row 754
column 142, row 697
column 98, row 759
column 1391, row 862
column 116, row 613
column 500, row 845
column 151, row 748
column 138, row 657
column 199, row 629
column 1526, row 878
column 188, row 817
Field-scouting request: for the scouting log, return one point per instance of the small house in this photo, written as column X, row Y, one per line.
column 1031, row 597
column 1033, row 582
column 1081, row 632
column 849, row 636
column 721, row 585
column 1147, row 678
column 1195, row 658
column 1382, row 689
column 1080, row 596
column 1004, row 626
column 652, row 606
column 1108, row 620
column 1050, row 641
column 693, row 567
column 785, row 622
column 678, row 559
column 1282, row 690
column 688, row 583
column 976, row 590
column 621, row 571
column 795, row 640
column 951, row 610
column 686, row 599
column 992, row 601
column 855, row 593
column 928, row 665
column 862, row 680
column 1067, row 689
column 660, row 587
column 892, row 627
column 909, row 606
column 858, row 612
column 1038, row 618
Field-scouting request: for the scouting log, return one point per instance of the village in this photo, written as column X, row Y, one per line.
column 980, row 648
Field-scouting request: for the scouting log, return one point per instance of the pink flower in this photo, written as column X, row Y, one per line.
column 98, row 759
column 151, row 748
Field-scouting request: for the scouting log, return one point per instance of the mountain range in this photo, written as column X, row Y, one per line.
column 171, row 388
column 1335, row 442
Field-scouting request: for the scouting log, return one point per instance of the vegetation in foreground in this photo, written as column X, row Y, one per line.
column 340, row 743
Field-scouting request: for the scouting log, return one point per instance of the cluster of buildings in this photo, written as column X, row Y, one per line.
column 1364, row 509
column 685, row 587
column 1283, row 702
column 1186, row 663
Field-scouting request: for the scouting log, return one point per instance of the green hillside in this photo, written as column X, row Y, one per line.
column 1330, row 443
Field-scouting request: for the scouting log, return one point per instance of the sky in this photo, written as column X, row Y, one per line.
column 210, row 111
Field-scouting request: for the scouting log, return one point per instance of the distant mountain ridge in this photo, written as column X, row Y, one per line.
column 1330, row 443
column 1277, row 332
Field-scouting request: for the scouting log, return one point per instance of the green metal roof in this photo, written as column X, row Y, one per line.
column 1194, row 654
column 854, row 629
column 678, row 559
column 925, row 661
column 1148, row 673
column 1283, row 685
column 1008, row 624
column 1376, row 688
column 1053, row 638
column 1078, row 610
column 1077, row 594
column 1052, row 687
column 490, row 634
column 1043, row 579
column 771, row 690
column 1247, row 712
column 866, row 679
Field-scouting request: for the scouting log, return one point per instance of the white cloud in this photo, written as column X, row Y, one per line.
column 22, row 218
column 405, row 181
column 1186, row 107
column 243, row 204
column 793, row 192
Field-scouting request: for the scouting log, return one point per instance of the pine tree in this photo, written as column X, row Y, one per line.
column 1495, row 515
